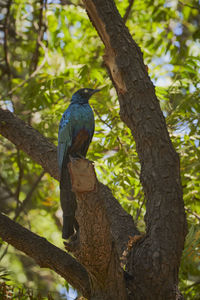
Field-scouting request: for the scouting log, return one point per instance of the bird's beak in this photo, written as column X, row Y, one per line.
column 95, row 91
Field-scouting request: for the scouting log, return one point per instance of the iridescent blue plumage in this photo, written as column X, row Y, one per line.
column 76, row 130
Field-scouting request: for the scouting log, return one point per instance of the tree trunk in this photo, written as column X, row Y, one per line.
column 153, row 260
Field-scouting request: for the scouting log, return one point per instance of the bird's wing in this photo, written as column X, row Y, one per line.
column 64, row 136
column 67, row 198
column 92, row 129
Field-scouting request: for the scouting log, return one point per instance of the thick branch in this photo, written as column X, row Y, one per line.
column 102, row 228
column 44, row 153
column 140, row 110
column 45, row 254
column 117, row 223
column 97, row 250
column 30, row 141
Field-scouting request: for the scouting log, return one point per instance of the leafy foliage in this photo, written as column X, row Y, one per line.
column 48, row 50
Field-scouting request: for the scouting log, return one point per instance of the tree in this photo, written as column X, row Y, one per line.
column 152, row 260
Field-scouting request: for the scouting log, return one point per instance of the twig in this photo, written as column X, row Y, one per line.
column 20, row 208
column 32, row 74
column 108, row 125
column 20, row 176
column 6, row 48
column 128, row 10
column 36, row 68
column 28, row 197
column 6, row 38
column 193, row 213
column 4, row 252
column 29, row 78
column 100, row 118
column 67, row 2
column 5, row 197
column 6, row 186
column 41, row 30
column 188, row 5
column 139, row 210
column 191, row 285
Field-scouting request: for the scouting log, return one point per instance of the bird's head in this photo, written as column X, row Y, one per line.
column 83, row 95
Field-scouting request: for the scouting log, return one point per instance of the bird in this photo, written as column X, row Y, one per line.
column 75, row 134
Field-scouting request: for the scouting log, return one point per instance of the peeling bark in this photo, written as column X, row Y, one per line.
column 154, row 262
column 154, row 259
column 83, row 176
column 99, row 211
column 97, row 250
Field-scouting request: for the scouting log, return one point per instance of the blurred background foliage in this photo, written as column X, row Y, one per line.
column 48, row 50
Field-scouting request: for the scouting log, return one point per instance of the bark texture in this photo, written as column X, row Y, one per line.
column 153, row 261
column 45, row 254
column 98, row 211
column 30, row 141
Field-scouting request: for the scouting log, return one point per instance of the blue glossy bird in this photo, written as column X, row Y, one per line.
column 75, row 134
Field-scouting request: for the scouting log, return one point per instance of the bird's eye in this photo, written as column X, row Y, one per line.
column 85, row 91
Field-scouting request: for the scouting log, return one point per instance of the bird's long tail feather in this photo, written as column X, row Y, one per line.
column 68, row 202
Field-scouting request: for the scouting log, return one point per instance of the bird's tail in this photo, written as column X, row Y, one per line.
column 68, row 203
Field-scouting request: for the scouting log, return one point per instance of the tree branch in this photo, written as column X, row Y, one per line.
column 159, row 253
column 154, row 260
column 28, row 197
column 117, row 223
column 128, row 11
column 44, row 153
column 30, row 141
column 21, row 207
column 190, row 6
column 108, row 125
column 20, row 176
column 40, row 33
column 6, row 187
column 45, row 254
column 6, row 24
column 193, row 213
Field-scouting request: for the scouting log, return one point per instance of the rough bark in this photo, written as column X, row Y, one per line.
column 104, row 226
column 30, row 141
column 97, row 245
column 154, row 262
column 45, row 254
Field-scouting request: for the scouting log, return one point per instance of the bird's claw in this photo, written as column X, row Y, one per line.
column 73, row 159
column 79, row 156
column 73, row 242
